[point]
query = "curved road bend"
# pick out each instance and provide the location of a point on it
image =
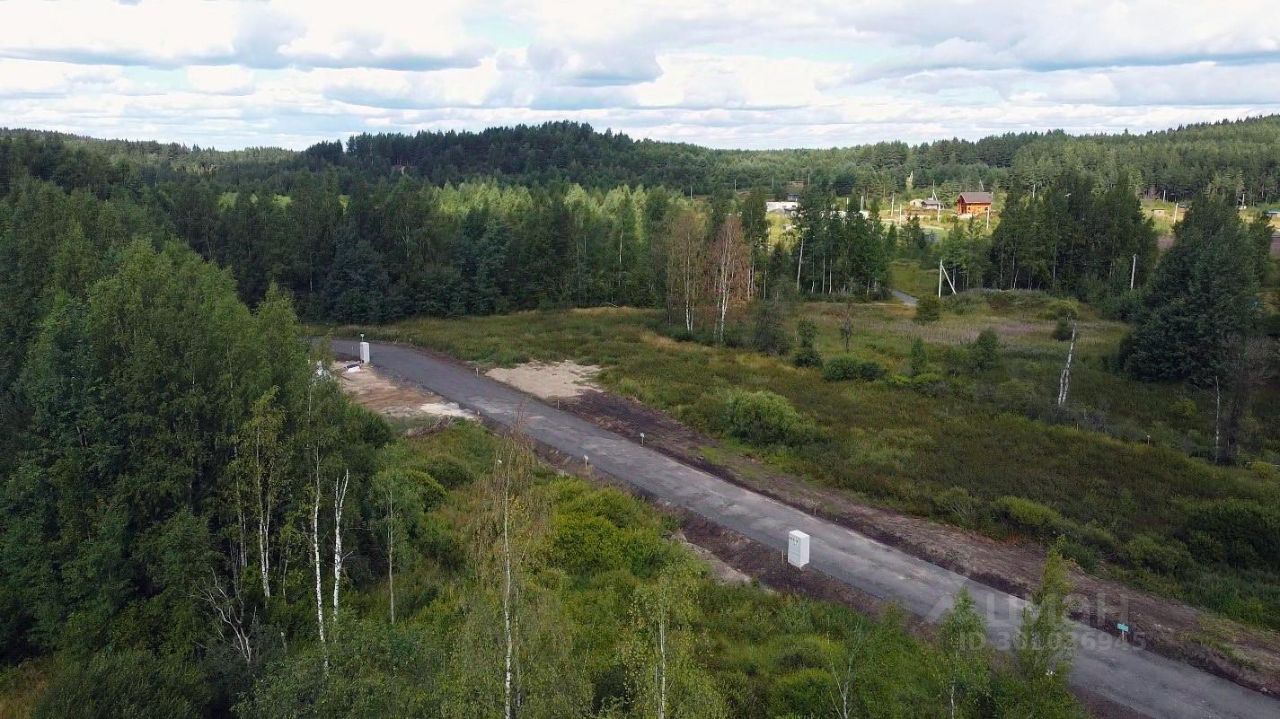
(904, 298)
(1141, 680)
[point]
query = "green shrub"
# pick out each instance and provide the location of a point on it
(931, 384)
(768, 330)
(1161, 554)
(449, 472)
(583, 544)
(957, 505)
(807, 357)
(1062, 331)
(1185, 408)
(847, 367)
(125, 684)
(1061, 310)
(800, 694)
(1245, 532)
(918, 361)
(984, 353)
(765, 418)
(1019, 396)
(415, 483)
(1030, 517)
(928, 309)
(807, 354)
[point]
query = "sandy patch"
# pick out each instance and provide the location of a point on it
(390, 399)
(559, 380)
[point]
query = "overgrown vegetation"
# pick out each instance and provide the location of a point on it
(1110, 467)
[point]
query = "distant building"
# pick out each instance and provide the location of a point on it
(782, 208)
(972, 203)
(931, 204)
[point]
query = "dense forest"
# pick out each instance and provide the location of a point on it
(197, 522)
(189, 501)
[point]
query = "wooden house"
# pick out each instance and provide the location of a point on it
(972, 203)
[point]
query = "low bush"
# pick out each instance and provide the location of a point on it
(768, 329)
(1162, 554)
(957, 505)
(807, 354)
(807, 357)
(449, 472)
(984, 353)
(133, 684)
(1062, 331)
(1242, 532)
(847, 367)
(1030, 517)
(928, 309)
(765, 418)
(1061, 310)
(930, 384)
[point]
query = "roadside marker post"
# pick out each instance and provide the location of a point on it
(364, 350)
(798, 548)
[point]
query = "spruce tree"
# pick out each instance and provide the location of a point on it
(1202, 300)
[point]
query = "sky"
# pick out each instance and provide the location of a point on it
(740, 74)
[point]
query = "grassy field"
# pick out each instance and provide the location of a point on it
(979, 450)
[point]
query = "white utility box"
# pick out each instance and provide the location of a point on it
(364, 352)
(798, 548)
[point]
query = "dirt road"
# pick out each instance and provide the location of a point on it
(1131, 677)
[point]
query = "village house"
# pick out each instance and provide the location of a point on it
(972, 203)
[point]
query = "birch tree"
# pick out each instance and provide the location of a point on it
(686, 253)
(730, 260)
(663, 675)
(1064, 381)
(964, 666)
(513, 654)
(260, 461)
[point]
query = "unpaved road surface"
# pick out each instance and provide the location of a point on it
(904, 298)
(1120, 672)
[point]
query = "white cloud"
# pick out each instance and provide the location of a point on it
(752, 73)
(220, 79)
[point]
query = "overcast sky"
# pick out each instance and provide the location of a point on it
(722, 73)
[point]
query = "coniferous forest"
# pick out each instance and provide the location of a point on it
(195, 522)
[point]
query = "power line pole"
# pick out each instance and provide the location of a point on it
(1133, 272)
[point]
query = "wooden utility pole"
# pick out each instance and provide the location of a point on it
(1133, 271)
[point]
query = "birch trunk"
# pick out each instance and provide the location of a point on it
(509, 712)
(339, 498)
(391, 553)
(1217, 420)
(1064, 381)
(315, 556)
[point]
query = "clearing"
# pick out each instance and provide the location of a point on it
(549, 380)
(396, 401)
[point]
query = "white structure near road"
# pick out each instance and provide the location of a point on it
(364, 352)
(798, 548)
